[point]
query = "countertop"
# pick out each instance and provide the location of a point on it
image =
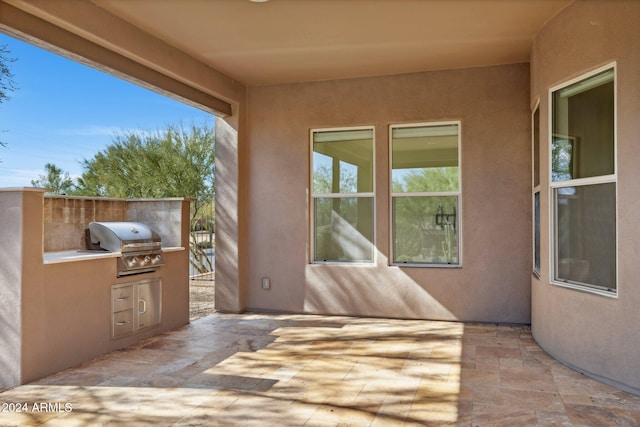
(84, 255)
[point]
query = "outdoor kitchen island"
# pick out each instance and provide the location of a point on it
(65, 303)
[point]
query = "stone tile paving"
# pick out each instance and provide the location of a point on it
(201, 296)
(297, 370)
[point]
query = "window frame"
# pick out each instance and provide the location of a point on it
(313, 196)
(535, 190)
(576, 182)
(457, 194)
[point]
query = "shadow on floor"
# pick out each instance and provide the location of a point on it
(294, 370)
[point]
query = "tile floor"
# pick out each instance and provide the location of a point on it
(294, 370)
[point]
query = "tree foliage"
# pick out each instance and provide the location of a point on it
(174, 162)
(56, 180)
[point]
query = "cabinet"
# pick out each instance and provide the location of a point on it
(135, 306)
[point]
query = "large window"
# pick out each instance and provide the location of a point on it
(583, 182)
(425, 190)
(535, 186)
(342, 166)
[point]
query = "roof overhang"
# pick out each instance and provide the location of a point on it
(217, 48)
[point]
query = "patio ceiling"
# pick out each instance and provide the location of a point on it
(285, 41)
(206, 53)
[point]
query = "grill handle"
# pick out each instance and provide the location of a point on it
(144, 245)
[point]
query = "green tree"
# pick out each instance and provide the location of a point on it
(174, 162)
(56, 180)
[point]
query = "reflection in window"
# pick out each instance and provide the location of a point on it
(424, 231)
(343, 229)
(342, 187)
(425, 184)
(563, 158)
(586, 230)
(535, 136)
(583, 129)
(583, 182)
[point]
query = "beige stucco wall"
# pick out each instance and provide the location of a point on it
(492, 104)
(593, 333)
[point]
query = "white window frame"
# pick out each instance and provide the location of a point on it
(535, 189)
(313, 197)
(457, 193)
(603, 179)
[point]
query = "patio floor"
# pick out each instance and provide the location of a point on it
(294, 370)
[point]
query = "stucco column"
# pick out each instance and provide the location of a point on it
(10, 287)
(230, 265)
(20, 266)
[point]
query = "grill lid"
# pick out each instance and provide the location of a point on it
(124, 236)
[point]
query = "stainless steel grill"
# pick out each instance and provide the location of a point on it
(138, 245)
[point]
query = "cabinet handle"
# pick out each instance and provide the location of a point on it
(144, 306)
(124, 322)
(122, 298)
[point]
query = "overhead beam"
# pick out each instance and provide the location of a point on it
(42, 32)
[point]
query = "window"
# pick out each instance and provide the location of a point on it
(425, 194)
(583, 183)
(342, 167)
(535, 185)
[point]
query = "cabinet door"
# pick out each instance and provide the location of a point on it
(149, 297)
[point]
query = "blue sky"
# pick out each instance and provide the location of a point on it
(62, 112)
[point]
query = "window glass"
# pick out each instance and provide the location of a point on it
(583, 183)
(342, 190)
(583, 129)
(536, 147)
(343, 229)
(585, 235)
(425, 159)
(425, 229)
(425, 185)
(536, 232)
(343, 161)
(535, 142)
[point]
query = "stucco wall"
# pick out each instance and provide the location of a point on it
(593, 333)
(493, 284)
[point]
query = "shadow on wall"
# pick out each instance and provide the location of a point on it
(370, 291)
(10, 288)
(227, 293)
(485, 290)
(9, 341)
(365, 289)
